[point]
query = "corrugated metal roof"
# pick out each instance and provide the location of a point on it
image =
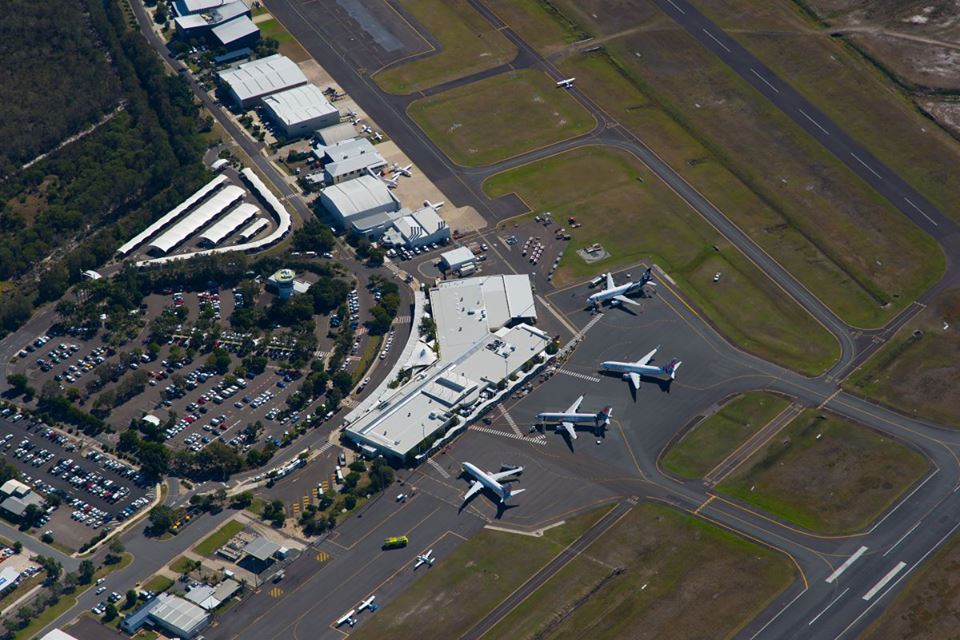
(263, 77)
(229, 223)
(357, 196)
(179, 614)
(299, 104)
(233, 30)
(255, 227)
(198, 219)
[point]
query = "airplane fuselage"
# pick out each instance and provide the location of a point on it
(631, 367)
(576, 418)
(607, 294)
(484, 478)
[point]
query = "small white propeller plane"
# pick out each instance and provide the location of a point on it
(426, 558)
(432, 205)
(569, 418)
(404, 171)
(347, 618)
(633, 370)
(566, 83)
(491, 481)
(367, 604)
(391, 182)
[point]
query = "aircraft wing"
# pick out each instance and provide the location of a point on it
(576, 405)
(645, 360)
(610, 284)
(570, 430)
(625, 299)
(504, 474)
(473, 490)
(634, 380)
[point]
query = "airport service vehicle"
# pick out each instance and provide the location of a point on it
(395, 542)
(633, 370)
(570, 418)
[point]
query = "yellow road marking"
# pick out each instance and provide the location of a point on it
(276, 592)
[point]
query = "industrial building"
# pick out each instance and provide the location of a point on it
(348, 159)
(229, 223)
(200, 23)
(336, 133)
(16, 498)
(170, 217)
(236, 34)
(211, 598)
(421, 227)
(248, 83)
(301, 111)
(171, 614)
(189, 7)
(483, 341)
(365, 205)
(196, 220)
(457, 259)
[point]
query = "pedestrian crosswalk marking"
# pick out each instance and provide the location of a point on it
(510, 421)
(324, 446)
(538, 439)
(580, 376)
(436, 465)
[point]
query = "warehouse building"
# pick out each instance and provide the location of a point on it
(239, 33)
(228, 224)
(248, 83)
(301, 111)
(200, 24)
(336, 133)
(482, 344)
(199, 218)
(348, 159)
(422, 227)
(170, 217)
(16, 498)
(171, 614)
(211, 598)
(457, 259)
(190, 7)
(350, 203)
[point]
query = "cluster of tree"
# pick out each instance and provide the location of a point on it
(210, 502)
(374, 255)
(162, 518)
(314, 236)
(19, 386)
(219, 360)
(275, 512)
(97, 192)
(386, 309)
(59, 409)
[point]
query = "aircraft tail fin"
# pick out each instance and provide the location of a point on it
(604, 415)
(671, 369)
(509, 492)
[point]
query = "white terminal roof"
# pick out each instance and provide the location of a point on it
(264, 76)
(254, 228)
(468, 309)
(192, 21)
(202, 5)
(358, 196)
(57, 634)
(423, 222)
(200, 217)
(345, 149)
(299, 104)
(229, 223)
(179, 613)
(169, 217)
(231, 30)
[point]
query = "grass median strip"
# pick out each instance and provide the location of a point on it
(827, 474)
(218, 538)
(468, 44)
(716, 437)
(465, 586)
(643, 578)
(918, 370)
(496, 118)
(635, 216)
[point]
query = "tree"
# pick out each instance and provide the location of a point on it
(255, 364)
(351, 480)
(161, 520)
(219, 360)
(110, 613)
(343, 382)
(86, 571)
(350, 502)
(131, 598)
(51, 566)
(242, 501)
(30, 517)
(314, 236)
(328, 294)
(358, 466)
(18, 547)
(381, 475)
(154, 458)
(18, 383)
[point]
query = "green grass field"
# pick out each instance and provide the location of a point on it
(468, 44)
(918, 374)
(645, 220)
(717, 436)
(540, 27)
(673, 563)
(181, 564)
(495, 118)
(157, 584)
(817, 218)
(218, 538)
(852, 92)
(463, 587)
(288, 46)
(926, 607)
(836, 483)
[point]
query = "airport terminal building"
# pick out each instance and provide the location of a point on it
(486, 348)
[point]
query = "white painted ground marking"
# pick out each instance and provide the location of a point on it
(324, 447)
(673, 4)
(833, 602)
(846, 565)
(581, 376)
(538, 439)
(869, 168)
(899, 504)
(817, 124)
(884, 580)
(436, 465)
(910, 202)
(779, 613)
(714, 38)
(510, 421)
(764, 80)
(902, 538)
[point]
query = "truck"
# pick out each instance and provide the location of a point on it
(395, 542)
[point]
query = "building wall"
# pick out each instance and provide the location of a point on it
(307, 127)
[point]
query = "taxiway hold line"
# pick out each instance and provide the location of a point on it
(884, 580)
(846, 565)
